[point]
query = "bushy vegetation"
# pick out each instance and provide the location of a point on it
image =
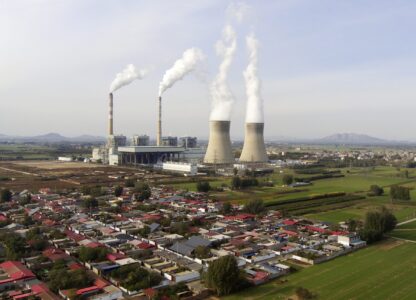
(203, 186)
(118, 191)
(238, 183)
(376, 224)
(142, 190)
(399, 192)
(255, 206)
(287, 179)
(6, 195)
(134, 278)
(129, 182)
(226, 208)
(90, 203)
(15, 245)
(60, 278)
(376, 190)
(87, 254)
(223, 276)
(202, 252)
(95, 191)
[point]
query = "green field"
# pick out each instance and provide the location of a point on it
(382, 271)
(356, 181)
(406, 231)
(37, 152)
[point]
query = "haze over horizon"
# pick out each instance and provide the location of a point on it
(325, 67)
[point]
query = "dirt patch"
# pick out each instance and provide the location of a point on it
(390, 244)
(52, 165)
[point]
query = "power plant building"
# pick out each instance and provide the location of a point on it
(144, 155)
(188, 142)
(170, 141)
(141, 140)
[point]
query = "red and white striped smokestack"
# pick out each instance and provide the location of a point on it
(110, 115)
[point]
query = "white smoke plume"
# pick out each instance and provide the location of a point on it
(238, 11)
(254, 113)
(222, 98)
(183, 66)
(127, 76)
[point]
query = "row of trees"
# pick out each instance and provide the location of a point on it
(238, 183)
(399, 192)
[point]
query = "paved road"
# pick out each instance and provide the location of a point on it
(17, 171)
(405, 222)
(400, 239)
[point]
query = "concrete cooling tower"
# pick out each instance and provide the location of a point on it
(219, 149)
(254, 149)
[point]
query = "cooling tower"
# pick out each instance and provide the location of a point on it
(254, 149)
(219, 149)
(110, 115)
(159, 124)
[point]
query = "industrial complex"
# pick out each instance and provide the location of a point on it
(182, 154)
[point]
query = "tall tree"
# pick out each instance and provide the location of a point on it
(287, 179)
(118, 191)
(255, 206)
(223, 275)
(6, 195)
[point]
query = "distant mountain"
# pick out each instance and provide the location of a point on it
(88, 138)
(353, 139)
(49, 137)
(53, 138)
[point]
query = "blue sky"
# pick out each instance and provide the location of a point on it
(325, 66)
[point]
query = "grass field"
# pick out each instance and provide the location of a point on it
(356, 181)
(406, 231)
(382, 271)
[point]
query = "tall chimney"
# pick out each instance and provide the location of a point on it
(110, 115)
(254, 149)
(219, 149)
(159, 124)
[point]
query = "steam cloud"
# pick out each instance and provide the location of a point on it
(238, 11)
(222, 98)
(127, 76)
(183, 66)
(254, 113)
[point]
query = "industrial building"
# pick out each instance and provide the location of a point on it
(171, 141)
(188, 142)
(144, 155)
(140, 140)
(181, 168)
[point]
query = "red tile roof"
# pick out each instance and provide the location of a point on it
(16, 271)
(115, 256)
(241, 217)
(101, 283)
(87, 289)
(289, 222)
(145, 245)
